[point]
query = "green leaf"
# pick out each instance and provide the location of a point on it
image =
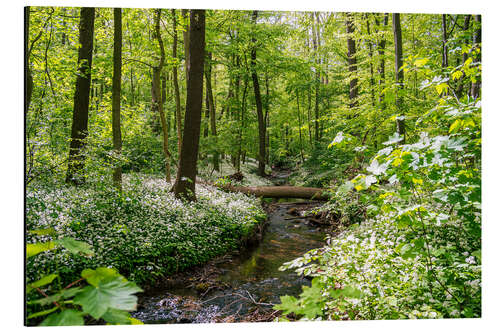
(42, 282)
(288, 305)
(42, 313)
(93, 277)
(34, 249)
(114, 292)
(117, 317)
(421, 62)
(74, 246)
(68, 317)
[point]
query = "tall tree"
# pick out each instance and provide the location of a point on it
(444, 53)
(460, 86)
(28, 85)
(351, 59)
(211, 109)
(381, 53)
(176, 83)
(116, 94)
(185, 183)
(156, 95)
(316, 80)
(398, 63)
(477, 41)
(79, 128)
(258, 100)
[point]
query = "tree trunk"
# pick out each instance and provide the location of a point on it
(175, 79)
(398, 49)
(370, 54)
(460, 86)
(258, 102)
(351, 59)
(186, 174)
(300, 128)
(211, 109)
(79, 127)
(477, 40)
(316, 83)
(156, 95)
(444, 55)
(381, 67)
(117, 86)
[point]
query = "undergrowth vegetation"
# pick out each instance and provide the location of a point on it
(144, 232)
(418, 252)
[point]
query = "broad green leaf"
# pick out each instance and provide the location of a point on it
(114, 292)
(74, 246)
(117, 317)
(68, 317)
(42, 313)
(42, 282)
(34, 249)
(288, 305)
(93, 277)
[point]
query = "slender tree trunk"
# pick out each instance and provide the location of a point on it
(242, 125)
(476, 86)
(398, 49)
(258, 103)
(300, 128)
(211, 108)
(316, 83)
(266, 117)
(460, 86)
(351, 59)
(309, 115)
(79, 127)
(381, 66)
(444, 55)
(116, 93)
(175, 79)
(370, 54)
(186, 174)
(156, 95)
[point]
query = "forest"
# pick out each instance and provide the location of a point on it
(192, 166)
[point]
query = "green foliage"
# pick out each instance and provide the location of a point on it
(144, 233)
(419, 256)
(109, 295)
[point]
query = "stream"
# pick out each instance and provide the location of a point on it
(241, 287)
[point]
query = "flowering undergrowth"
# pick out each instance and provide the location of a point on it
(418, 253)
(144, 233)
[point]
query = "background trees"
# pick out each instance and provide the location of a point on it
(315, 78)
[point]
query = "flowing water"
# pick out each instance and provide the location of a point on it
(247, 285)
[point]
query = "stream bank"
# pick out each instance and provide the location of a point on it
(242, 286)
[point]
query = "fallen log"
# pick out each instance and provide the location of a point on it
(280, 191)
